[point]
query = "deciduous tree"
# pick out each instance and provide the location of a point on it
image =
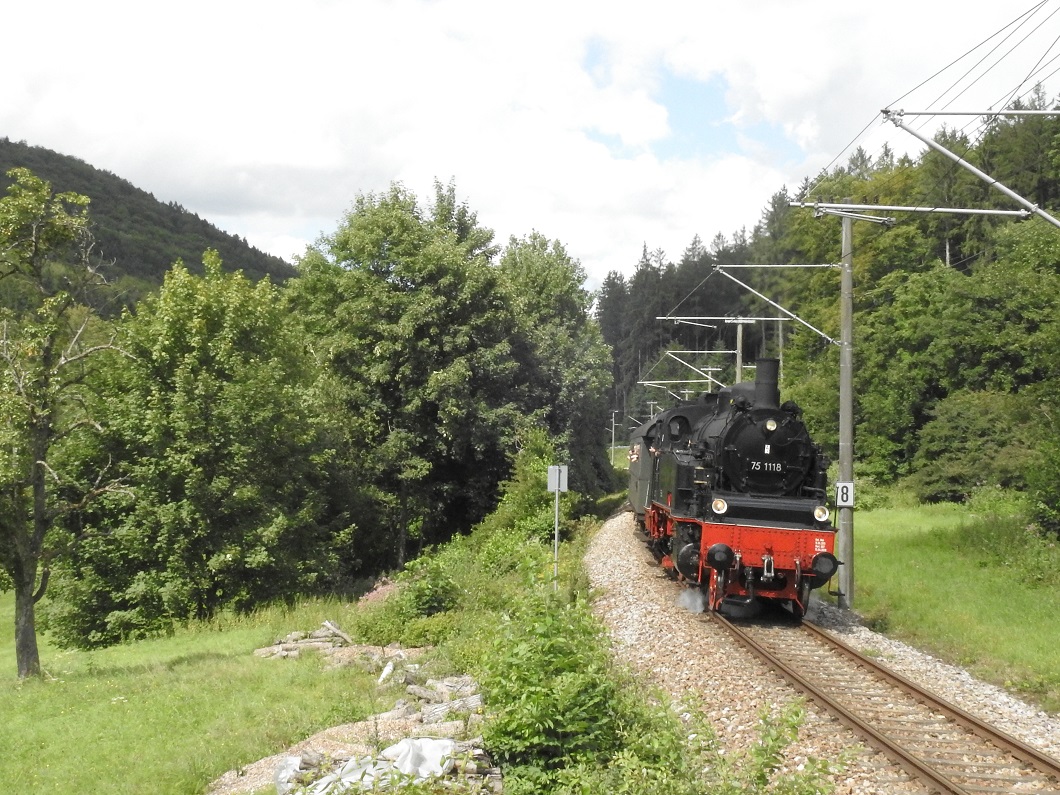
(217, 425)
(410, 318)
(48, 334)
(568, 366)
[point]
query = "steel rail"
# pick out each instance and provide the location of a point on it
(1041, 762)
(903, 758)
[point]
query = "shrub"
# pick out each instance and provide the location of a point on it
(975, 439)
(549, 688)
(426, 587)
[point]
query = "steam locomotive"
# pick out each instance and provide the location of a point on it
(731, 492)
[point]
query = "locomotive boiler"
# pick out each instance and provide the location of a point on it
(731, 492)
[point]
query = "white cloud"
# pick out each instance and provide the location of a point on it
(268, 118)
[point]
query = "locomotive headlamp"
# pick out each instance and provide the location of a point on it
(719, 506)
(820, 513)
(771, 425)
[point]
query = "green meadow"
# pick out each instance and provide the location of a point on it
(167, 715)
(967, 583)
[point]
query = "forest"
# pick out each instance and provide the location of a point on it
(226, 441)
(956, 315)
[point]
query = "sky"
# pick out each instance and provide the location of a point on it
(608, 126)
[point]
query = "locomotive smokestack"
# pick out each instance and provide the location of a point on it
(767, 388)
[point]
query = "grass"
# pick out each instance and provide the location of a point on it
(168, 715)
(970, 586)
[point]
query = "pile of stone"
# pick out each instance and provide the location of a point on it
(433, 731)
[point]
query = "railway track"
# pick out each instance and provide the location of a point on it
(945, 748)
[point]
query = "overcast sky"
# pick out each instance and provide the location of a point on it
(606, 125)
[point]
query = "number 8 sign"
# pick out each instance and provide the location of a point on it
(844, 494)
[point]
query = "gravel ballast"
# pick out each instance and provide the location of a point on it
(697, 664)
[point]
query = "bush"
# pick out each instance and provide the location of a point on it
(426, 587)
(975, 439)
(549, 687)
(1045, 484)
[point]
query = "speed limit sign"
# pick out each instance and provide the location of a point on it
(844, 494)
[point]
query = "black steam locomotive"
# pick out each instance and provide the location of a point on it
(731, 492)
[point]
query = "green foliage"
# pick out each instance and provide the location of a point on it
(49, 341)
(567, 369)
(976, 439)
(409, 317)
(548, 683)
(985, 335)
(525, 494)
(217, 428)
(1044, 482)
(427, 587)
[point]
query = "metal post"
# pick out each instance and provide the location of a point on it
(555, 549)
(613, 423)
(845, 538)
(557, 482)
(739, 353)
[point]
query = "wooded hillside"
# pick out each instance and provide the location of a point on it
(138, 237)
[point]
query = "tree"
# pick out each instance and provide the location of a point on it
(569, 365)
(414, 325)
(976, 440)
(946, 184)
(49, 334)
(612, 315)
(217, 426)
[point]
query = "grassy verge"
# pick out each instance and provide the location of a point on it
(170, 715)
(969, 584)
(167, 715)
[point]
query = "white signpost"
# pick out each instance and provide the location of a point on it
(557, 482)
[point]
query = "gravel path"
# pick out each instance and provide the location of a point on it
(696, 663)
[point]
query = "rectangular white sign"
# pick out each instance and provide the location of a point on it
(557, 478)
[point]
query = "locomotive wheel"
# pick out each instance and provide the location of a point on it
(799, 610)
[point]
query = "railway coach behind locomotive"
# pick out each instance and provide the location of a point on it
(731, 490)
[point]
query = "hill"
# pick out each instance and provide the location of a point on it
(138, 236)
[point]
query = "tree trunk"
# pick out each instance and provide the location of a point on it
(16, 542)
(26, 654)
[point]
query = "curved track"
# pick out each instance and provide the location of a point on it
(945, 748)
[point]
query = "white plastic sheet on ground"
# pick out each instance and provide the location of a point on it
(415, 759)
